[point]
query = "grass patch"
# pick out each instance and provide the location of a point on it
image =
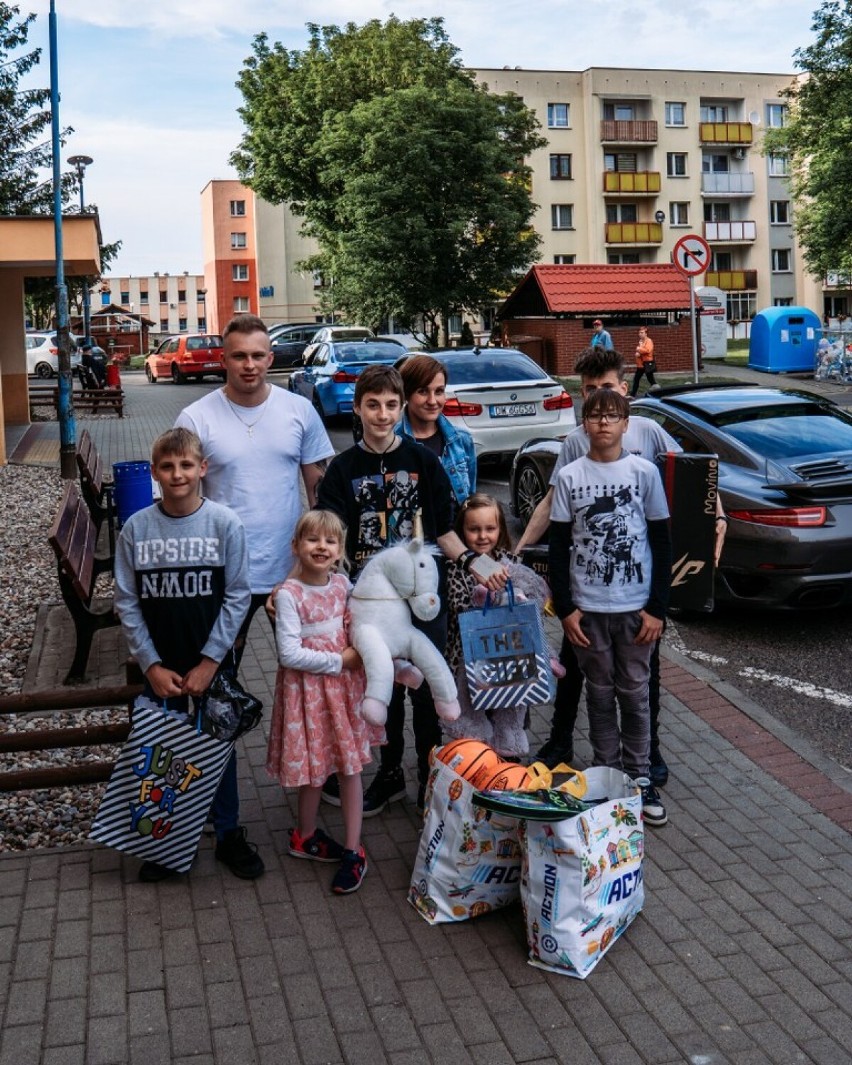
(137, 362)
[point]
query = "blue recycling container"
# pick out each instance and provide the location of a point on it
(133, 489)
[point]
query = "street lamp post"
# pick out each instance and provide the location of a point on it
(81, 162)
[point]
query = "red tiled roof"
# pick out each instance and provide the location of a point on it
(598, 289)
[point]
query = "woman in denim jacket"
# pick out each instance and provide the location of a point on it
(425, 382)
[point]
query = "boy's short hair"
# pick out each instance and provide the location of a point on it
(606, 401)
(176, 442)
(418, 371)
(245, 323)
(379, 379)
(595, 362)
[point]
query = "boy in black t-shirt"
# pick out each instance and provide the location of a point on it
(404, 480)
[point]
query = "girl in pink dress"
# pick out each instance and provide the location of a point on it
(316, 729)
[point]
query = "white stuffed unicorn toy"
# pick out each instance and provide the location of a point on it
(397, 582)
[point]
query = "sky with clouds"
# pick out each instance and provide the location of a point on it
(150, 87)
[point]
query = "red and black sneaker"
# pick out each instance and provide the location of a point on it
(351, 873)
(318, 848)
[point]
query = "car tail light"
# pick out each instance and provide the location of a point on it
(787, 517)
(561, 402)
(453, 408)
(344, 378)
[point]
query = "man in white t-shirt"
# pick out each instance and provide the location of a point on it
(258, 440)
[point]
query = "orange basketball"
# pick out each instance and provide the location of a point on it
(468, 757)
(508, 776)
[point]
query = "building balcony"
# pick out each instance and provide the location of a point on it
(633, 233)
(632, 183)
(727, 184)
(628, 132)
(730, 232)
(731, 280)
(725, 132)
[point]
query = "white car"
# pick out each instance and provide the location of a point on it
(503, 398)
(43, 354)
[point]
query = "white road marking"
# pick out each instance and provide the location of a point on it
(800, 687)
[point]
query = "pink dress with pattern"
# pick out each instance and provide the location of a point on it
(316, 729)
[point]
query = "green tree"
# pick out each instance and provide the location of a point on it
(816, 138)
(410, 176)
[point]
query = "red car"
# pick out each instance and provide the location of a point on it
(185, 356)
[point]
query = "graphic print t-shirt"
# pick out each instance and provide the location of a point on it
(610, 504)
(378, 497)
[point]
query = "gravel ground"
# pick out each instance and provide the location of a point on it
(57, 816)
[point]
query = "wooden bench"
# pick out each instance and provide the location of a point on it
(97, 490)
(89, 399)
(73, 537)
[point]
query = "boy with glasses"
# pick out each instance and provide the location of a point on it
(610, 570)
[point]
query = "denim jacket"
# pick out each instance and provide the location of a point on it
(458, 456)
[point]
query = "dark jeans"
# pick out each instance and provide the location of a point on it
(637, 378)
(570, 687)
(427, 727)
(258, 599)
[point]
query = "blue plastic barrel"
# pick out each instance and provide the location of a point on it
(133, 489)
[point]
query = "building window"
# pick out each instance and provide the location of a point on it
(319, 280)
(714, 164)
(182, 324)
(675, 113)
(622, 212)
(676, 164)
(164, 325)
(562, 216)
(741, 306)
(782, 301)
(776, 115)
(560, 167)
(125, 296)
(143, 296)
(164, 296)
(564, 260)
(777, 164)
(620, 162)
(623, 258)
(238, 240)
(202, 325)
(717, 212)
(238, 208)
(618, 112)
(181, 295)
(779, 212)
(241, 303)
(714, 113)
(679, 214)
(558, 116)
(781, 261)
(239, 272)
(721, 261)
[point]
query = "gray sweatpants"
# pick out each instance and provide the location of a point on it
(617, 672)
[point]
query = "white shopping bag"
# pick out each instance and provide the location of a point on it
(469, 860)
(581, 878)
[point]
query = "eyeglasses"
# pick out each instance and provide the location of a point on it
(603, 419)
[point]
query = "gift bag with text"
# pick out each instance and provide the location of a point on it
(581, 878)
(161, 789)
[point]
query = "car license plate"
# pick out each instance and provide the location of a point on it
(512, 410)
(211, 365)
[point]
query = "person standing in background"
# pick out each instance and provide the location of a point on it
(600, 337)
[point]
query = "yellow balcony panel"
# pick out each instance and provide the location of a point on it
(634, 183)
(633, 233)
(629, 132)
(731, 280)
(725, 132)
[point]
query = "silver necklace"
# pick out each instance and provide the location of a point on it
(249, 426)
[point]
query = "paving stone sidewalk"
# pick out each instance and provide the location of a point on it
(742, 954)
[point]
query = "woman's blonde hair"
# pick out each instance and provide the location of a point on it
(481, 501)
(327, 523)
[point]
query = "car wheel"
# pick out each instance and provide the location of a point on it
(43, 369)
(529, 492)
(177, 376)
(149, 373)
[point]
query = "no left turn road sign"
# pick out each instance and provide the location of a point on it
(692, 255)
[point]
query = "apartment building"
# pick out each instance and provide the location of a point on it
(634, 160)
(174, 303)
(229, 238)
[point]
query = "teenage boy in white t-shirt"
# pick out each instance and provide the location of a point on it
(610, 570)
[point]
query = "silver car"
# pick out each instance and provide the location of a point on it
(43, 354)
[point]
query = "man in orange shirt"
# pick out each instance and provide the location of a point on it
(644, 361)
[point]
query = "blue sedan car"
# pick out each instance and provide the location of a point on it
(328, 377)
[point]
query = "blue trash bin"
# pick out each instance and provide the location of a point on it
(133, 489)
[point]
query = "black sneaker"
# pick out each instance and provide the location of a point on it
(653, 811)
(559, 748)
(350, 875)
(239, 855)
(331, 791)
(153, 873)
(659, 771)
(386, 787)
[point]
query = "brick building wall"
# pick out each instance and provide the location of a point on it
(556, 343)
